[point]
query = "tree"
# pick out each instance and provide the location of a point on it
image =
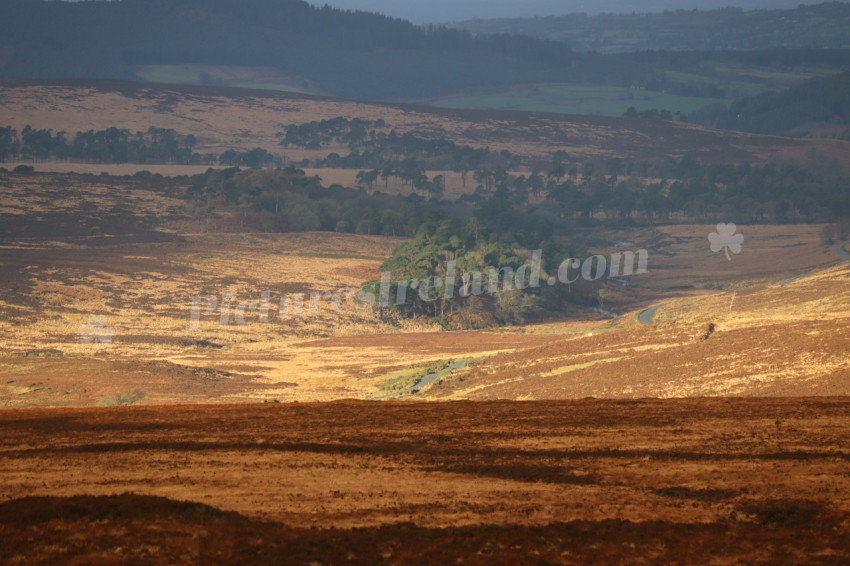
(438, 185)
(8, 142)
(368, 178)
(557, 168)
(535, 184)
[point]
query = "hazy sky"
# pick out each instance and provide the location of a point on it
(437, 11)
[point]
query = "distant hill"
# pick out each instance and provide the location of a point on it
(821, 101)
(825, 25)
(242, 119)
(293, 46)
(436, 11)
(350, 54)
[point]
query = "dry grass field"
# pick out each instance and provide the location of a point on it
(101, 275)
(689, 481)
(711, 430)
(224, 118)
(774, 342)
(771, 321)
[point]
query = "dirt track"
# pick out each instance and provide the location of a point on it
(761, 479)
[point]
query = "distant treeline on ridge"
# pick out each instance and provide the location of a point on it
(114, 145)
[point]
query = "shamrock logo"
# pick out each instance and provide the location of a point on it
(726, 239)
(95, 331)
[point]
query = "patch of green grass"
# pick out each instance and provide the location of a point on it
(48, 353)
(123, 399)
(574, 99)
(402, 381)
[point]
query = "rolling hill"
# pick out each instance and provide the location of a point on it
(101, 276)
(821, 25)
(224, 118)
(231, 318)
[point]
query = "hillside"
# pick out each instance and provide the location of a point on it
(103, 276)
(822, 25)
(578, 482)
(247, 318)
(139, 256)
(223, 118)
(772, 341)
(292, 46)
(816, 106)
(286, 44)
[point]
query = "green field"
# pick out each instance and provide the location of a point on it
(573, 99)
(739, 81)
(223, 75)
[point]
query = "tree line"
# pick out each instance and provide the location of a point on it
(114, 145)
(822, 25)
(821, 100)
(288, 200)
(496, 227)
(330, 49)
(488, 231)
(582, 188)
(393, 156)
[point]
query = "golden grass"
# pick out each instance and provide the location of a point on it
(251, 120)
(568, 369)
(145, 290)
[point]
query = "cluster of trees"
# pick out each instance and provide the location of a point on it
(498, 228)
(615, 188)
(779, 191)
(315, 134)
(405, 157)
(111, 145)
(373, 146)
(392, 149)
(483, 268)
(480, 245)
(653, 114)
(8, 142)
(257, 157)
(488, 231)
(114, 145)
(287, 200)
(498, 225)
(819, 100)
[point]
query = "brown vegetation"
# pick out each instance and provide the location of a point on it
(224, 118)
(582, 482)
